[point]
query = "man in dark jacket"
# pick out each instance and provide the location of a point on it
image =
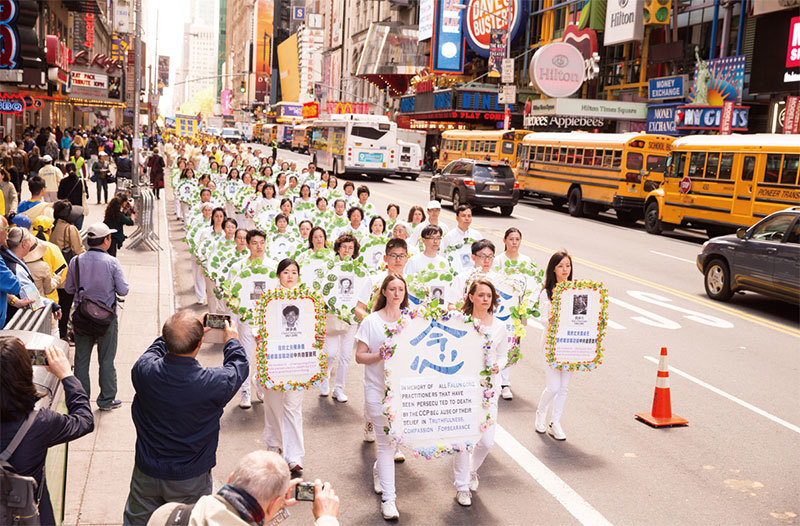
(176, 411)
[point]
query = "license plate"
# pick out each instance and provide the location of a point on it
(632, 189)
(494, 187)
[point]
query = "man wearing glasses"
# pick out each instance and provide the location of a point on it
(483, 258)
(431, 240)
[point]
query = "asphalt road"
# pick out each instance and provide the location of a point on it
(735, 378)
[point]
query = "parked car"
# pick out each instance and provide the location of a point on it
(477, 183)
(764, 258)
(232, 134)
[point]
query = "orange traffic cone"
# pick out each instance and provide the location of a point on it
(662, 415)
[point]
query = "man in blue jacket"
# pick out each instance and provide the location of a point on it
(176, 411)
(9, 284)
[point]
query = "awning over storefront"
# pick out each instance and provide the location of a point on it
(392, 56)
(82, 6)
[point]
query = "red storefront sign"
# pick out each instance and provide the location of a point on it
(793, 49)
(726, 119)
(310, 110)
(791, 115)
(98, 60)
(57, 59)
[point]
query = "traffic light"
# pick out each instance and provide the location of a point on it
(242, 87)
(657, 11)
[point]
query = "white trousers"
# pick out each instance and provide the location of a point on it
(386, 448)
(341, 346)
(505, 375)
(199, 282)
(555, 392)
(283, 423)
(177, 204)
(465, 463)
(213, 303)
(248, 341)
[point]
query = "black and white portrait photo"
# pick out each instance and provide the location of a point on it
(259, 288)
(580, 304)
(437, 293)
(289, 321)
(345, 286)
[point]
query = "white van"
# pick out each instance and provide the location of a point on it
(410, 164)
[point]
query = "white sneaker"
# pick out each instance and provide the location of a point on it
(506, 393)
(369, 432)
(245, 402)
(399, 456)
(376, 479)
(464, 498)
(389, 510)
(473, 481)
(556, 432)
(541, 422)
(339, 396)
(324, 387)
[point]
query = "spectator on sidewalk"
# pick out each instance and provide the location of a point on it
(100, 173)
(176, 411)
(10, 196)
(124, 166)
(65, 235)
(35, 161)
(101, 280)
(18, 396)
(52, 176)
(9, 284)
(51, 148)
(257, 490)
(156, 165)
(73, 189)
(116, 219)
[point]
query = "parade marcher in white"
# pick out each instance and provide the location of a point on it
(197, 272)
(391, 298)
(559, 269)
(434, 210)
(463, 232)
(480, 303)
(512, 240)
(213, 236)
(482, 259)
(431, 237)
(283, 411)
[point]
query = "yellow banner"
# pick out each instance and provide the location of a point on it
(288, 64)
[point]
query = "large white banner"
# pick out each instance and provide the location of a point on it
(426, 8)
(624, 21)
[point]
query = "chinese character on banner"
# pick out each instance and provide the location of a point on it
(437, 335)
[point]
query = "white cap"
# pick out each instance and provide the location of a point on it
(103, 153)
(46, 158)
(99, 230)
(434, 204)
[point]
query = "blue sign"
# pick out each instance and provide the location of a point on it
(291, 110)
(661, 118)
(407, 104)
(442, 101)
(448, 45)
(481, 101)
(364, 157)
(667, 87)
(690, 117)
(298, 13)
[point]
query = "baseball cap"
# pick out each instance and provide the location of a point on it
(102, 153)
(46, 158)
(434, 204)
(22, 220)
(42, 221)
(99, 230)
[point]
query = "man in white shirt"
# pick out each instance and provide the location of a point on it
(434, 209)
(482, 259)
(431, 240)
(460, 234)
(52, 175)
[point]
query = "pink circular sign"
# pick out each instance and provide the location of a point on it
(557, 69)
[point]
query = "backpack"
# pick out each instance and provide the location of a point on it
(17, 502)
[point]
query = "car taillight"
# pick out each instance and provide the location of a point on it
(516, 185)
(469, 182)
(420, 164)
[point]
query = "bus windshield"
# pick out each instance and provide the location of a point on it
(657, 163)
(367, 132)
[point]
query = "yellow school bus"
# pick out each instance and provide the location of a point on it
(487, 145)
(592, 172)
(722, 182)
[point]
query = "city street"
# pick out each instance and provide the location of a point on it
(734, 378)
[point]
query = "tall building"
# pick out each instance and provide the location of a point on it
(238, 49)
(309, 52)
(200, 61)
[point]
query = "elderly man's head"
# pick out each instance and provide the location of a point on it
(183, 333)
(265, 476)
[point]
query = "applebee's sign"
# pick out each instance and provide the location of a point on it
(557, 69)
(484, 15)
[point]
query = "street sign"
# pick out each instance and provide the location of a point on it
(507, 95)
(507, 74)
(298, 13)
(726, 119)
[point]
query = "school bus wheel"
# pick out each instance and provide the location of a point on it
(651, 221)
(575, 202)
(717, 280)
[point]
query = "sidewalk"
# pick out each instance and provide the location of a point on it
(100, 464)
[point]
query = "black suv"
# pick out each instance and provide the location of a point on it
(477, 183)
(764, 258)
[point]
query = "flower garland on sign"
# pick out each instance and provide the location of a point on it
(232, 287)
(262, 337)
(387, 350)
(602, 322)
(419, 283)
(325, 282)
(525, 309)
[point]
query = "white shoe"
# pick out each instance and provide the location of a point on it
(464, 498)
(339, 396)
(376, 479)
(473, 481)
(389, 510)
(324, 387)
(369, 432)
(506, 393)
(245, 402)
(541, 422)
(260, 395)
(556, 432)
(399, 456)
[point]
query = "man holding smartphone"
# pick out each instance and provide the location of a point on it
(176, 410)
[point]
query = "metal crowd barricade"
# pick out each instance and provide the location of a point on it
(145, 210)
(34, 329)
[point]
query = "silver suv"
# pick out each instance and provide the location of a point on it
(477, 183)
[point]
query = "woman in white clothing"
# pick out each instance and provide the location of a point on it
(512, 240)
(283, 411)
(480, 303)
(212, 237)
(559, 269)
(390, 300)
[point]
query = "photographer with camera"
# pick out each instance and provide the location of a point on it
(176, 411)
(258, 492)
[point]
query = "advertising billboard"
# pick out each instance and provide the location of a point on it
(289, 72)
(624, 21)
(447, 51)
(426, 8)
(481, 17)
(263, 38)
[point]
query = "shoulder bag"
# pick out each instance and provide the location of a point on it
(91, 317)
(19, 495)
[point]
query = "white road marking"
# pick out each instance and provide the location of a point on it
(730, 397)
(673, 257)
(614, 325)
(647, 317)
(552, 483)
(661, 301)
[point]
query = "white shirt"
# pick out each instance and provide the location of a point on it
(500, 261)
(420, 262)
(373, 333)
(498, 353)
(368, 286)
(456, 236)
(416, 235)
